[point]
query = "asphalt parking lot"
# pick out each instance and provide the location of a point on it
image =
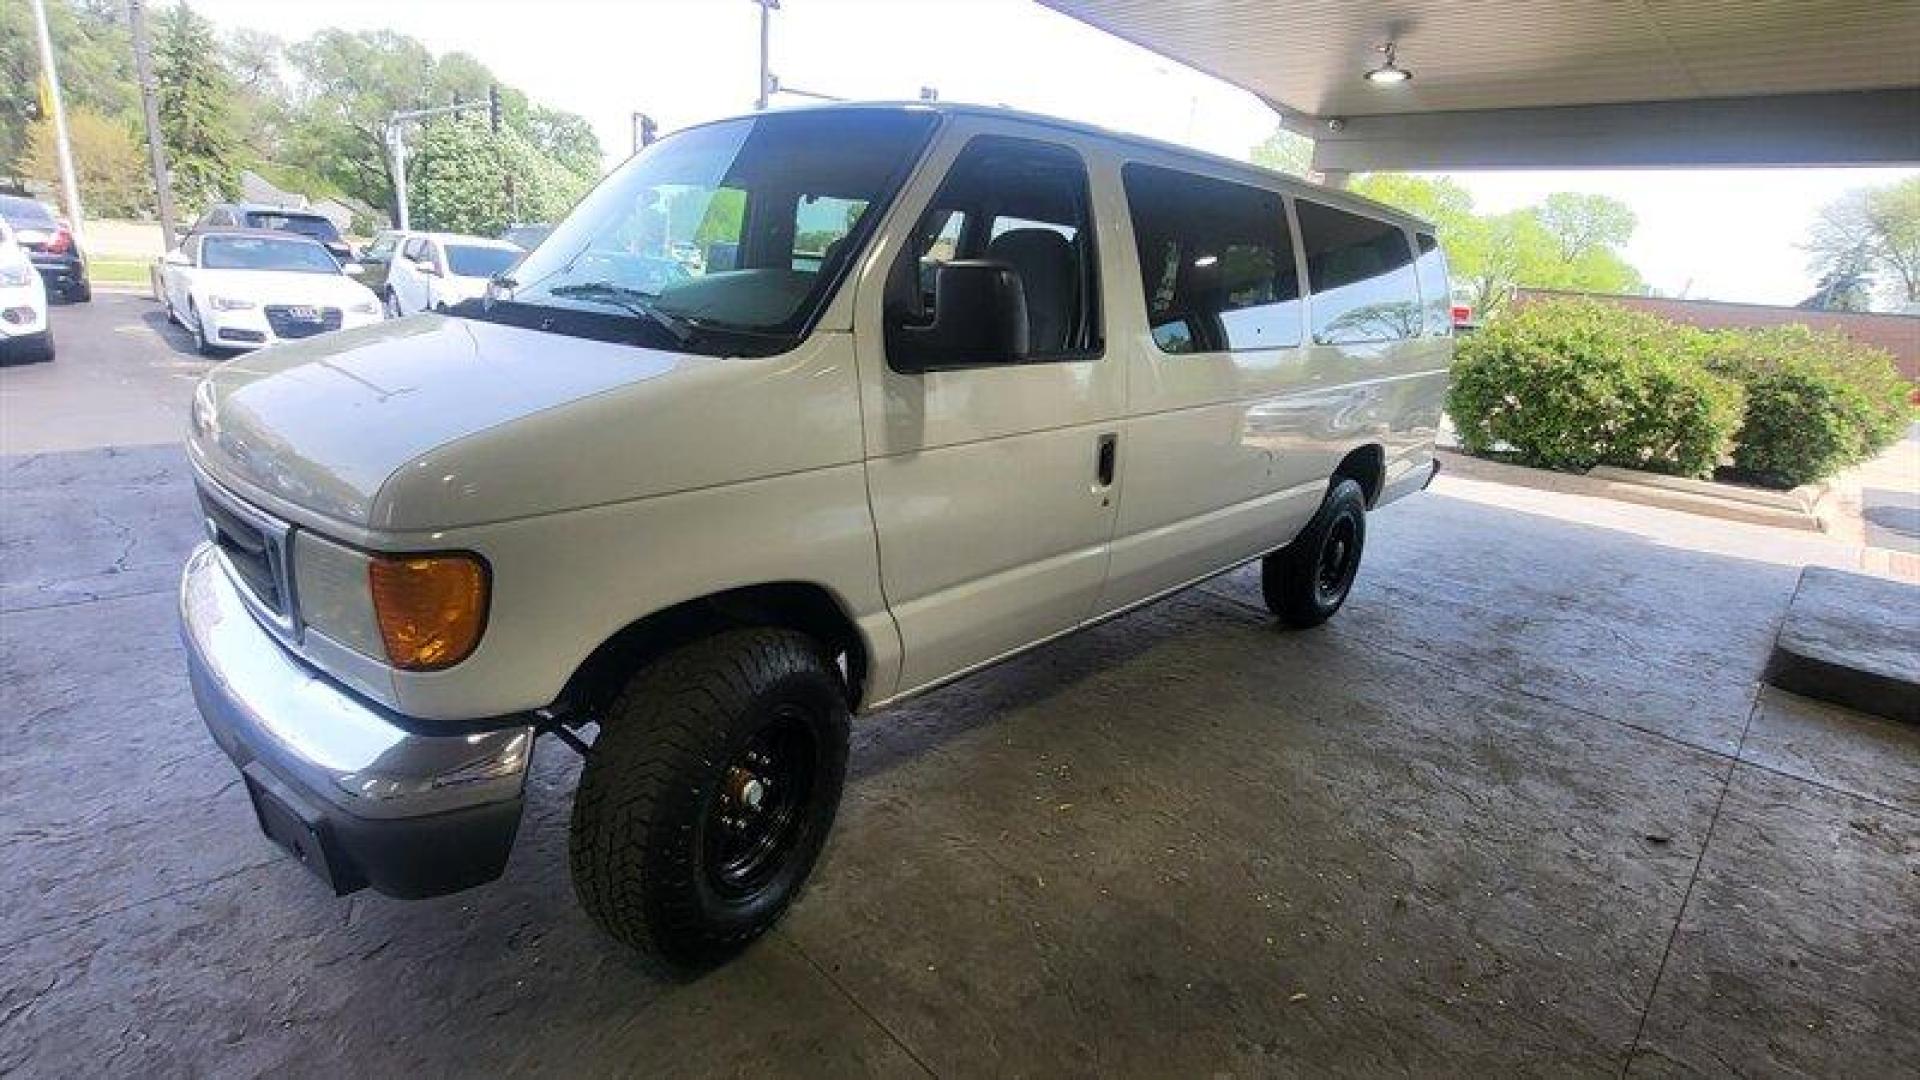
(1523, 808)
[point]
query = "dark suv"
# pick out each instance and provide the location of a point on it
(277, 219)
(50, 244)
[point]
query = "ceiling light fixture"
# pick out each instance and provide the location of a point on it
(1389, 73)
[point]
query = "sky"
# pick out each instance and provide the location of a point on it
(1718, 234)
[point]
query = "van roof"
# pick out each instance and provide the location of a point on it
(1217, 162)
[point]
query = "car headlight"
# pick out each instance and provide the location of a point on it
(365, 307)
(15, 276)
(330, 582)
(228, 303)
(416, 612)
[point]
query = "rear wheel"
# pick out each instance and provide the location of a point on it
(1305, 582)
(709, 794)
(81, 293)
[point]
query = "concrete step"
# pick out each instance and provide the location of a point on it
(1852, 640)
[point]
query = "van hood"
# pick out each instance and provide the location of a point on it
(324, 423)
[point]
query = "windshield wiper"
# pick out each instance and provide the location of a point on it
(630, 300)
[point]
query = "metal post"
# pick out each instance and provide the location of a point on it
(396, 144)
(63, 150)
(156, 147)
(767, 8)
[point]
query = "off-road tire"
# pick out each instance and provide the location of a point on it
(1300, 586)
(639, 845)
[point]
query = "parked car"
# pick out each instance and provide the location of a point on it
(245, 288)
(438, 270)
(713, 520)
(24, 333)
(277, 219)
(376, 260)
(525, 237)
(49, 243)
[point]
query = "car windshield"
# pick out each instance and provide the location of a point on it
(468, 260)
(724, 239)
(25, 213)
(265, 253)
(305, 224)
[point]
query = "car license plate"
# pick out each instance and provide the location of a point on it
(303, 313)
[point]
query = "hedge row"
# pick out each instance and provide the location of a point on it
(1570, 384)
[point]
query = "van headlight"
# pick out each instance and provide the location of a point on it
(228, 303)
(365, 307)
(13, 277)
(416, 612)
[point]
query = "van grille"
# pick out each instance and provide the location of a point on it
(254, 554)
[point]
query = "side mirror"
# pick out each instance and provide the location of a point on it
(426, 267)
(979, 319)
(176, 257)
(352, 268)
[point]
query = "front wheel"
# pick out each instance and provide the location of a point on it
(1305, 582)
(201, 341)
(709, 794)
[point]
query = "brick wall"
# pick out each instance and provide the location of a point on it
(1897, 334)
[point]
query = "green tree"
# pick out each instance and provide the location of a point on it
(1284, 151)
(110, 164)
(460, 173)
(1570, 241)
(1875, 229)
(1581, 223)
(196, 109)
(95, 50)
(351, 83)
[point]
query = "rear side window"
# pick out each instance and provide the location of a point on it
(1436, 293)
(1216, 262)
(1361, 273)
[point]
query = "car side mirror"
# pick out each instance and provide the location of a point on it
(979, 319)
(176, 257)
(426, 267)
(352, 268)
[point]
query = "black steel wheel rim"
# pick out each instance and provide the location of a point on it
(758, 817)
(1338, 556)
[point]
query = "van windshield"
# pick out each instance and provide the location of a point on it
(725, 239)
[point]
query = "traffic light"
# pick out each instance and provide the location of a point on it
(493, 107)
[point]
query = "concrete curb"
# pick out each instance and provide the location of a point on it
(1851, 640)
(1799, 509)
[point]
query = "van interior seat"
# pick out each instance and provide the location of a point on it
(1049, 274)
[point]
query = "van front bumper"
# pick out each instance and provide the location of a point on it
(361, 795)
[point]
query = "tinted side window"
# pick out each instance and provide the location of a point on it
(1436, 293)
(1216, 262)
(1361, 273)
(1023, 203)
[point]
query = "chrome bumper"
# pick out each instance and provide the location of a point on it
(362, 795)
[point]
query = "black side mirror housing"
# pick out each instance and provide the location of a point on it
(979, 320)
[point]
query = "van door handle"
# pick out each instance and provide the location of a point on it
(1109, 444)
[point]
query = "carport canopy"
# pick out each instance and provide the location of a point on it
(1559, 83)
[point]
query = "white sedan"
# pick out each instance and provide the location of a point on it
(23, 304)
(438, 270)
(243, 289)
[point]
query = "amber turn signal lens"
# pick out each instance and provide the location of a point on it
(430, 608)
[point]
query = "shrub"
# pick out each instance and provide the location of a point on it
(1817, 402)
(1570, 384)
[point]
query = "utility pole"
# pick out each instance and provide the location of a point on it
(156, 149)
(767, 80)
(63, 150)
